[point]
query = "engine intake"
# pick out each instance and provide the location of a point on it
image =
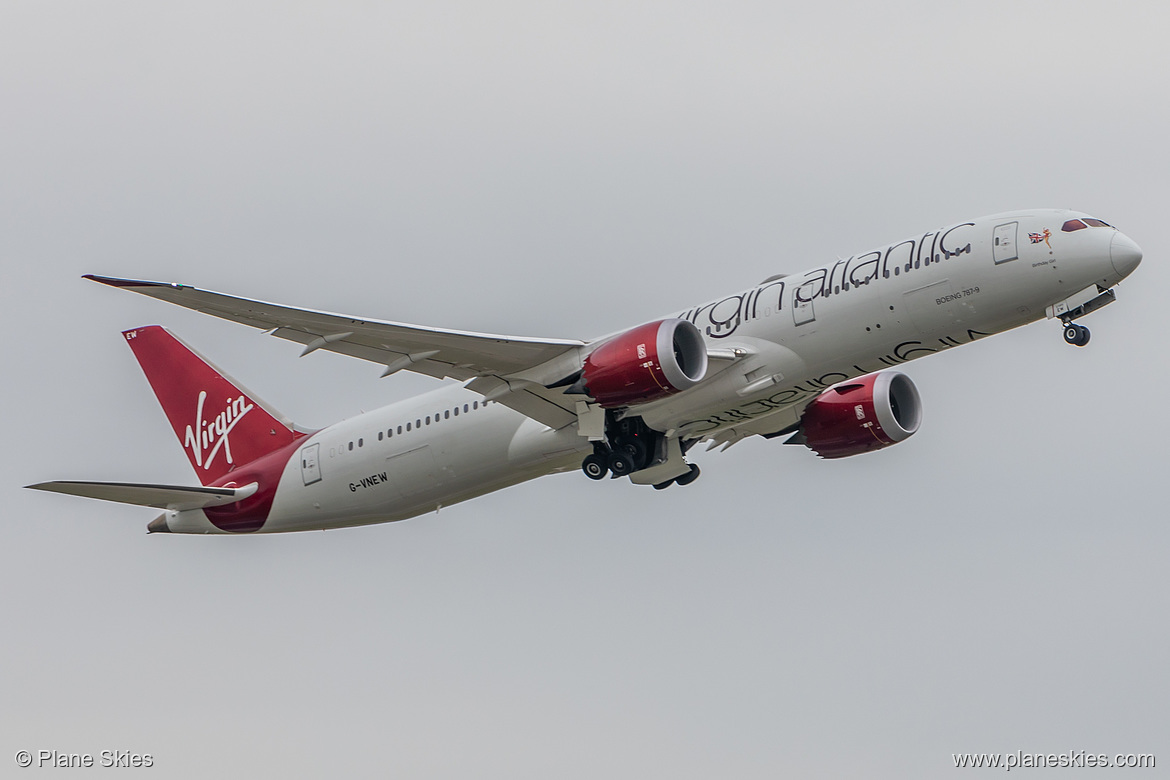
(863, 414)
(648, 362)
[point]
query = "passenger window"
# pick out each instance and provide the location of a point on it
(400, 428)
(408, 426)
(475, 405)
(359, 442)
(447, 415)
(351, 446)
(1073, 224)
(418, 423)
(456, 411)
(465, 407)
(428, 419)
(379, 436)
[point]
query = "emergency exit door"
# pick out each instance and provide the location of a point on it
(802, 303)
(1004, 242)
(310, 468)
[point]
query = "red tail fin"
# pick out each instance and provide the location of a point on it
(220, 425)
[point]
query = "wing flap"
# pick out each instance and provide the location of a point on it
(550, 407)
(177, 497)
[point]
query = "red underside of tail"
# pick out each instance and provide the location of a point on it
(250, 514)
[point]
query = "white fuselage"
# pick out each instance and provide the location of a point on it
(795, 336)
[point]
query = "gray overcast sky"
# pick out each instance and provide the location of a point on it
(997, 583)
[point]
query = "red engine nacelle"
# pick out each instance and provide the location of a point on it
(651, 361)
(867, 413)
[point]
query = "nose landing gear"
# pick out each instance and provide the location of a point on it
(1077, 335)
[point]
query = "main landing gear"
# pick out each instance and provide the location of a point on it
(685, 479)
(626, 459)
(632, 446)
(1077, 335)
(595, 466)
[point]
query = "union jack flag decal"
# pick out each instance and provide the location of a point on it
(1038, 237)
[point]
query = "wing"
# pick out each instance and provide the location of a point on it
(510, 369)
(158, 496)
(782, 422)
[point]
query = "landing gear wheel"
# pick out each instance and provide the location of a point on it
(1077, 335)
(620, 464)
(595, 466)
(689, 477)
(636, 450)
(664, 485)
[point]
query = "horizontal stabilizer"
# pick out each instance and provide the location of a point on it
(175, 497)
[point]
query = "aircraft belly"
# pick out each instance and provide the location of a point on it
(452, 464)
(536, 449)
(191, 521)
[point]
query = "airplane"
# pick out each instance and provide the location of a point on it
(810, 358)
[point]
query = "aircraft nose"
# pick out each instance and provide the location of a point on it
(1124, 253)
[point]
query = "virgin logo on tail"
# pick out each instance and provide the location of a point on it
(208, 436)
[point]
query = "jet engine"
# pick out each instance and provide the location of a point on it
(648, 362)
(863, 414)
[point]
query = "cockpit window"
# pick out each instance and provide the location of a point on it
(1081, 224)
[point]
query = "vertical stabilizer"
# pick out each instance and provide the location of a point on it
(220, 425)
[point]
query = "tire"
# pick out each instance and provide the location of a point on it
(620, 464)
(664, 485)
(1072, 334)
(1084, 339)
(690, 476)
(636, 449)
(595, 466)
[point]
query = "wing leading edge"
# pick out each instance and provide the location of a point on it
(513, 370)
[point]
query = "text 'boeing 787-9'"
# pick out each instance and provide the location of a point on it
(807, 356)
